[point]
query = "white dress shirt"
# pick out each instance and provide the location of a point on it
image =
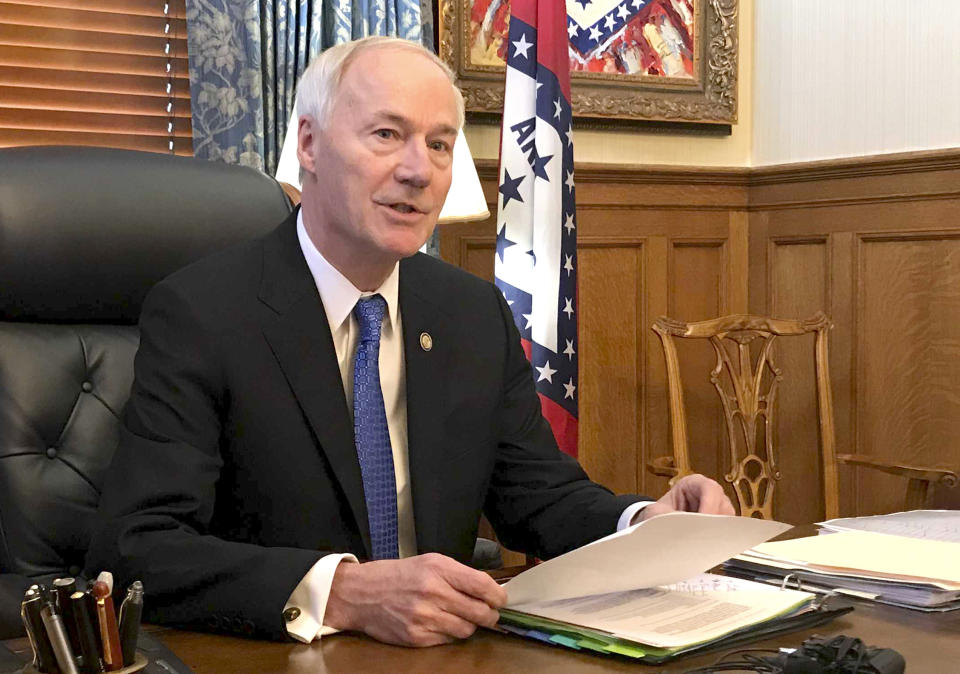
(339, 296)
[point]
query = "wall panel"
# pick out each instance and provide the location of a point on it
(611, 310)
(909, 346)
(799, 287)
(885, 230)
(695, 293)
(874, 242)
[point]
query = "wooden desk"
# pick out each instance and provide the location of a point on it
(929, 642)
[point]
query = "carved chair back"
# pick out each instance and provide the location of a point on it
(746, 378)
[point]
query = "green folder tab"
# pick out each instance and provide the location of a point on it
(622, 648)
(565, 641)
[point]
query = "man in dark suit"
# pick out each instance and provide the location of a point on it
(326, 394)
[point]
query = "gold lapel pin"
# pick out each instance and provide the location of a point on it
(426, 341)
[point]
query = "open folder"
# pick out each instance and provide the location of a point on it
(643, 593)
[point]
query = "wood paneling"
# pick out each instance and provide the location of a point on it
(909, 310)
(798, 288)
(611, 309)
(695, 293)
(873, 242)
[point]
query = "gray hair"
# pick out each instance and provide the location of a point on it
(320, 82)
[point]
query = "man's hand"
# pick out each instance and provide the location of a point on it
(420, 601)
(691, 493)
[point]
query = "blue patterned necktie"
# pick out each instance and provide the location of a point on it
(371, 433)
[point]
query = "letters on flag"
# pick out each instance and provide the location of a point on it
(536, 253)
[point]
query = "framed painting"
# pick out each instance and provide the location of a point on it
(658, 60)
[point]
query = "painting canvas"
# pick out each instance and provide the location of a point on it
(634, 59)
(637, 37)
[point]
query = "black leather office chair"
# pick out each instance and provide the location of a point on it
(84, 233)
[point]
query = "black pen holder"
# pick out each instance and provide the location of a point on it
(139, 663)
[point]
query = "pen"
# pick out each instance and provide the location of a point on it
(58, 638)
(130, 612)
(109, 634)
(44, 659)
(41, 590)
(89, 644)
(106, 577)
(63, 588)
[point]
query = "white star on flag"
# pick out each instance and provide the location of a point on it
(527, 316)
(556, 104)
(569, 180)
(568, 309)
(569, 223)
(623, 12)
(609, 22)
(572, 30)
(594, 33)
(570, 388)
(568, 264)
(522, 46)
(546, 372)
(569, 352)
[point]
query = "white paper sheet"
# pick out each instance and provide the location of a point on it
(931, 525)
(659, 551)
(698, 609)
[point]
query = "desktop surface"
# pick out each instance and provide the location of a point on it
(929, 642)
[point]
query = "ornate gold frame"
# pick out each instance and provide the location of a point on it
(710, 97)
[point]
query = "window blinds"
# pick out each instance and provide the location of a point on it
(95, 72)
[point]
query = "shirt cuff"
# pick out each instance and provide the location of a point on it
(632, 510)
(304, 610)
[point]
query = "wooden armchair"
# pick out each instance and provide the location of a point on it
(746, 378)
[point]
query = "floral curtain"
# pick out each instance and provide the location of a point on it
(247, 55)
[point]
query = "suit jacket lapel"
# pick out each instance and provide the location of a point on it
(425, 357)
(301, 341)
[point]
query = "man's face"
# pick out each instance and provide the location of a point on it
(383, 161)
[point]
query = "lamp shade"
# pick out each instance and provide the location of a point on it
(465, 200)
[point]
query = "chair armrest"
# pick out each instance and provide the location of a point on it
(486, 555)
(293, 194)
(942, 476)
(662, 466)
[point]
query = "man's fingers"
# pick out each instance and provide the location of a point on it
(470, 609)
(692, 493)
(474, 583)
(715, 504)
(454, 626)
(655, 509)
(707, 494)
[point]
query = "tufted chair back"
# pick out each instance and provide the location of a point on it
(84, 234)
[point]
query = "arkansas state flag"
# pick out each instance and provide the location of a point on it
(536, 220)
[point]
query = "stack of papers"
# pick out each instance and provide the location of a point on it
(642, 592)
(655, 623)
(931, 525)
(916, 573)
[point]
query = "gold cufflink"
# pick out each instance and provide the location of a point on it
(291, 614)
(426, 341)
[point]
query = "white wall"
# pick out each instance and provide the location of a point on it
(838, 78)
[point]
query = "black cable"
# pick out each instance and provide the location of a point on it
(748, 663)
